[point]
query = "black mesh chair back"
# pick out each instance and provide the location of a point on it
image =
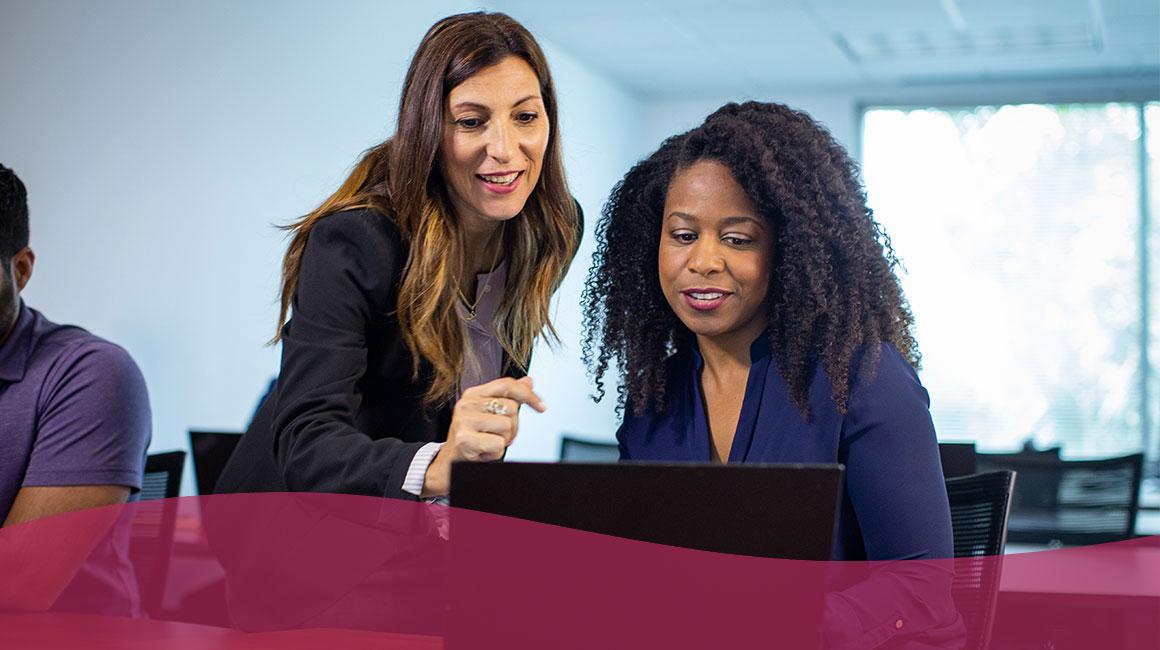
(154, 521)
(1073, 502)
(211, 452)
(1034, 487)
(979, 507)
(588, 451)
(162, 478)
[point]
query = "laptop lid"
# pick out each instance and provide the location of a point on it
(517, 584)
(211, 451)
(774, 511)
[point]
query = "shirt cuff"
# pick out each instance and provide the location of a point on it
(417, 472)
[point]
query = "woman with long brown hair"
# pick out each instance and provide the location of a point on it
(412, 297)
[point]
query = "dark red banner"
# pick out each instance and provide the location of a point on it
(320, 570)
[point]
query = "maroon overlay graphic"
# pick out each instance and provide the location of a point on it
(320, 570)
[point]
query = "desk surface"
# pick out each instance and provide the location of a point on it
(1106, 570)
(62, 630)
(1112, 574)
(1148, 522)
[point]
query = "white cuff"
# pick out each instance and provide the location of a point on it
(417, 472)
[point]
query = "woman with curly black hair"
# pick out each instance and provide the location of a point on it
(748, 300)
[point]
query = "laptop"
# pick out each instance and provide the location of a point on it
(514, 583)
(211, 451)
(738, 509)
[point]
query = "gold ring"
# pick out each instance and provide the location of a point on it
(495, 407)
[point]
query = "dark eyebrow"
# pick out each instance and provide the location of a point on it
(486, 108)
(727, 221)
(529, 97)
(470, 105)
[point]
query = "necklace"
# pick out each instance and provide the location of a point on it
(472, 305)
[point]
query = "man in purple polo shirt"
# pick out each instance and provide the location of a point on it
(74, 419)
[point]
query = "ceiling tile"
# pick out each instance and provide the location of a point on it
(658, 47)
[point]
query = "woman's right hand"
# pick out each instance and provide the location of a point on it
(483, 424)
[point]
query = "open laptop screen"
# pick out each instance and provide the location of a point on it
(775, 511)
(211, 452)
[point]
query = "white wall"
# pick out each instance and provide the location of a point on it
(601, 124)
(664, 117)
(160, 140)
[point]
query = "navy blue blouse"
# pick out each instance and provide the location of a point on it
(894, 504)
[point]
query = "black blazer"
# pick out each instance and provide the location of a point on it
(345, 416)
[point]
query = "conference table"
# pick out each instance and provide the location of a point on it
(1108, 571)
(37, 631)
(1105, 596)
(1112, 588)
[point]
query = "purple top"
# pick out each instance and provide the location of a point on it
(484, 355)
(73, 411)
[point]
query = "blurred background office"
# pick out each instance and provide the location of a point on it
(1011, 149)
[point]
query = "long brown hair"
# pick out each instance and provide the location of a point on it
(400, 179)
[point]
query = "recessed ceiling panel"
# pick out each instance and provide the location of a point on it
(685, 47)
(880, 16)
(990, 14)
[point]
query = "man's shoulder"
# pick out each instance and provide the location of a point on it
(56, 340)
(62, 349)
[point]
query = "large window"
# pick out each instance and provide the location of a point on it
(1027, 242)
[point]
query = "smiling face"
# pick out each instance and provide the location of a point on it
(495, 134)
(716, 256)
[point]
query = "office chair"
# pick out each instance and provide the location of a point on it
(588, 451)
(162, 478)
(957, 458)
(154, 521)
(211, 452)
(979, 507)
(1073, 502)
(1039, 488)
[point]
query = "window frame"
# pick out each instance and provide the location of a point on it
(1134, 91)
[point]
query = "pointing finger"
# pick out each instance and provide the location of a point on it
(518, 390)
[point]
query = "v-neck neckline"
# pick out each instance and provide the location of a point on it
(701, 438)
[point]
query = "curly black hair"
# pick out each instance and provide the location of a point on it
(833, 290)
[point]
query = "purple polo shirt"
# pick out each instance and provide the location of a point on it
(73, 411)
